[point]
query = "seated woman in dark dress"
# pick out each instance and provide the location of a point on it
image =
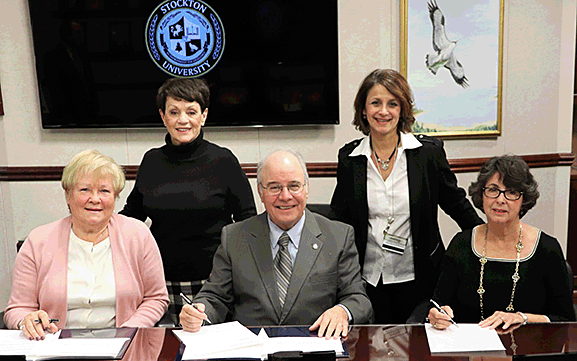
(505, 272)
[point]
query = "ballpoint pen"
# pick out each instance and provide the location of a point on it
(443, 311)
(187, 300)
(52, 320)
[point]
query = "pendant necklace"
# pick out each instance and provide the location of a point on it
(515, 277)
(385, 163)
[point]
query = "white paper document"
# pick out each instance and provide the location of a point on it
(258, 347)
(77, 347)
(465, 338)
(215, 338)
(13, 342)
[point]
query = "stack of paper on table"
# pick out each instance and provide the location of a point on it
(233, 340)
(13, 342)
(464, 338)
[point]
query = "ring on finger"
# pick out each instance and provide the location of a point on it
(435, 325)
(502, 319)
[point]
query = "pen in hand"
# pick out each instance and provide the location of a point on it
(188, 301)
(443, 312)
(52, 320)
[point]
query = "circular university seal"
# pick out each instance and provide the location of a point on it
(184, 38)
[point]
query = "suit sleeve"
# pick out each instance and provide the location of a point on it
(341, 201)
(452, 198)
(217, 293)
(351, 287)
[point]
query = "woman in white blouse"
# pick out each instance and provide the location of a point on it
(390, 185)
(92, 269)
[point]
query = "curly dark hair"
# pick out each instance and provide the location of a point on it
(398, 86)
(515, 175)
(189, 89)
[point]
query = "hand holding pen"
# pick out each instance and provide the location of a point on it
(441, 323)
(36, 324)
(190, 320)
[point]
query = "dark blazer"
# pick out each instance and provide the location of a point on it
(326, 272)
(431, 184)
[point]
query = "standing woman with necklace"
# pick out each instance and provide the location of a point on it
(505, 272)
(390, 185)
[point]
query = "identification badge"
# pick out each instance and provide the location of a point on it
(394, 243)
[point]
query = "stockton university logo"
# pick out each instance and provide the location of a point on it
(184, 38)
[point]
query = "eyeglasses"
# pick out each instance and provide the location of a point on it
(510, 194)
(275, 189)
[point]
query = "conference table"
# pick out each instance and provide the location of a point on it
(401, 342)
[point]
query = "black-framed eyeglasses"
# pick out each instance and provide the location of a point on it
(510, 194)
(276, 188)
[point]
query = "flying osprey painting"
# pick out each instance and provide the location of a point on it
(444, 48)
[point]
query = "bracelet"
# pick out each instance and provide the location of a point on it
(525, 320)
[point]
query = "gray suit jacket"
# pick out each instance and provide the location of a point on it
(326, 272)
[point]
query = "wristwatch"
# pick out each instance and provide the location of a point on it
(523, 317)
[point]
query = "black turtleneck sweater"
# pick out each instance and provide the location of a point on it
(189, 192)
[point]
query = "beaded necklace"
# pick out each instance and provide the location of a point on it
(385, 163)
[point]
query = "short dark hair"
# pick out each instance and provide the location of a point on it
(515, 175)
(189, 89)
(398, 86)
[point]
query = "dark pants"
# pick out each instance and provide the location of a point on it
(393, 303)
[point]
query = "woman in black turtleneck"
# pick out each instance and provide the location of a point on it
(189, 188)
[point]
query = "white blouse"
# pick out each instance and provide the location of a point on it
(91, 286)
(386, 199)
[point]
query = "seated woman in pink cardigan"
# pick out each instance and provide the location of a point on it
(92, 269)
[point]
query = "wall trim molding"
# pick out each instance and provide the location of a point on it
(316, 170)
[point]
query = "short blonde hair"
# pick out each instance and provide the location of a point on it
(93, 163)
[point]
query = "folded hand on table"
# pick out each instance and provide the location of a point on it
(334, 322)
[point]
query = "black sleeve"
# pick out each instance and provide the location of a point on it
(452, 198)
(445, 293)
(339, 209)
(240, 198)
(134, 206)
(559, 304)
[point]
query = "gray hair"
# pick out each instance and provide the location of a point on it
(298, 156)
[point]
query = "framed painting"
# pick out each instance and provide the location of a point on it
(1, 104)
(451, 55)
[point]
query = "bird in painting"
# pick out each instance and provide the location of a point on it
(444, 55)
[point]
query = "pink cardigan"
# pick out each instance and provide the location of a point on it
(40, 275)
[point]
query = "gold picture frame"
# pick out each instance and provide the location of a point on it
(1, 103)
(452, 56)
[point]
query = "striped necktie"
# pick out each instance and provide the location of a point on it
(283, 267)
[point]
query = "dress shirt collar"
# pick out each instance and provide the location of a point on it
(294, 233)
(408, 141)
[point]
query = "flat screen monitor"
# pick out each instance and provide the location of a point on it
(279, 63)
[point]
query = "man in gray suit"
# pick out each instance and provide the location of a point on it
(286, 266)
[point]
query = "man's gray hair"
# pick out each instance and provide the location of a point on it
(300, 158)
